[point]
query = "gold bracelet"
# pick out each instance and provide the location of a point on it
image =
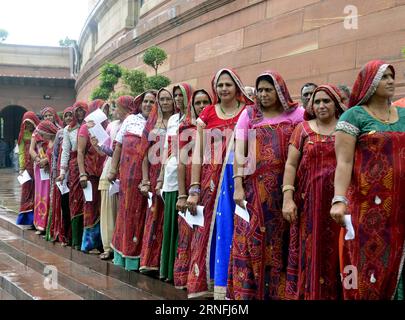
(238, 176)
(195, 184)
(288, 187)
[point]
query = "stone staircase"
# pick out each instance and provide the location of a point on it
(28, 262)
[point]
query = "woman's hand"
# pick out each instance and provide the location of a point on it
(94, 142)
(239, 196)
(337, 212)
(112, 176)
(60, 178)
(289, 210)
(83, 182)
(181, 205)
(159, 186)
(90, 124)
(43, 163)
(192, 202)
(21, 171)
(144, 189)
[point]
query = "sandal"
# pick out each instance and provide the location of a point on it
(107, 255)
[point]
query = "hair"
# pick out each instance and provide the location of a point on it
(309, 84)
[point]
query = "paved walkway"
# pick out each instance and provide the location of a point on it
(10, 189)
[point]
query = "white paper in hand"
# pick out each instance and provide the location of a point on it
(99, 132)
(44, 175)
(24, 177)
(198, 219)
(349, 227)
(114, 187)
(242, 212)
(185, 217)
(150, 195)
(96, 116)
(63, 188)
(88, 192)
(161, 195)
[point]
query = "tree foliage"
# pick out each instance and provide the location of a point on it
(135, 80)
(157, 82)
(154, 57)
(67, 42)
(110, 74)
(3, 35)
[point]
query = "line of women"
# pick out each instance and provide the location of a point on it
(292, 203)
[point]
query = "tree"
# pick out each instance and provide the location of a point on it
(135, 80)
(154, 57)
(110, 74)
(157, 82)
(3, 35)
(67, 42)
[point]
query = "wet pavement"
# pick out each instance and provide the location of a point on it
(10, 189)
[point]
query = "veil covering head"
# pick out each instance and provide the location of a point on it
(30, 117)
(367, 82)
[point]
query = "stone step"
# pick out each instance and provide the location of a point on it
(5, 295)
(19, 282)
(81, 280)
(157, 289)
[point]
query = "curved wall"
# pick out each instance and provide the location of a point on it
(304, 40)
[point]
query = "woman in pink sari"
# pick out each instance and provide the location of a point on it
(42, 186)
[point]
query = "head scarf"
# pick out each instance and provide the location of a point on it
(47, 127)
(57, 121)
(242, 96)
(94, 105)
(67, 110)
(367, 82)
(127, 103)
(333, 92)
(30, 117)
(281, 88)
(187, 92)
(78, 105)
(139, 99)
(191, 113)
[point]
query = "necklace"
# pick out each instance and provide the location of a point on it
(382, 120)
(319, 131)
(229, 114)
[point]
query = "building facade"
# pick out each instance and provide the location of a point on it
(307, 40)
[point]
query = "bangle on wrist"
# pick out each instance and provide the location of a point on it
(238, 176)
(145, 183)
(83, 175)
(337, 199)
(194, 190)
(288, 187)
(183, 196)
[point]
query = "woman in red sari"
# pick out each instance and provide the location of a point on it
(187, 133)
(257, 270)
(70, 168)
(59, 216)
(313, 272)
(26, 214)
(214, 143)
(153, 142)
(128, 157)
(90, 164)
(370, 187)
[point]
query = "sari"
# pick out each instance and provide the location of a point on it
(26, 213)
(257, 269)
(93, 163)
(129, 227)
(59, 216)
(185, 232)
(43, 187)
(372, 263)
(76, 196)
(210, 246)
(153, 230)
(170, 224)
(313, 263)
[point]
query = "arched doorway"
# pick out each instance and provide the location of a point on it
(10, 122)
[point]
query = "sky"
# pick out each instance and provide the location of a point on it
(42, 22)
